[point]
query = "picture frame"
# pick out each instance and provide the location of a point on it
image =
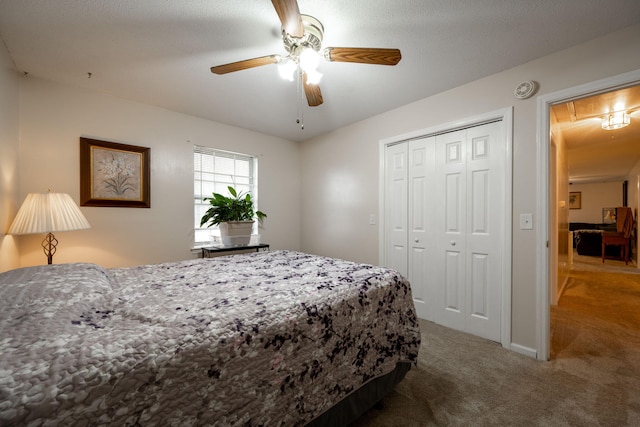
(575, 200)
(114, 174)
(609, 215)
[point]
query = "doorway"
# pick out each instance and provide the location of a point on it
(548, 205)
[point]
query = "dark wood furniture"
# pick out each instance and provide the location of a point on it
(207, 251)
(616, 239)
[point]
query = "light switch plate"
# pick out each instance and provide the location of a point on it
(526, 221)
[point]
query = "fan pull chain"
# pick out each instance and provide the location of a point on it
(299, 95)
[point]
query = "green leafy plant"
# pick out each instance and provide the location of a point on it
(237, 207)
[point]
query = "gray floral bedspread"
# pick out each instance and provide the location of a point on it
(269, 338)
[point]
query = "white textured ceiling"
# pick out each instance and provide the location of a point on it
(159, 52)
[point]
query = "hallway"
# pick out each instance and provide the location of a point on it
(599, 314)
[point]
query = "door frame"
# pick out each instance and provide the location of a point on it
(506, 116)
(545, 240)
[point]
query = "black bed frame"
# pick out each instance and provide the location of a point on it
(360, 401)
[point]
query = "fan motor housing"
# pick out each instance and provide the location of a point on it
(312, 37)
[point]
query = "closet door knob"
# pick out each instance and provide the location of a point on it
(416, 240)
(453, 243)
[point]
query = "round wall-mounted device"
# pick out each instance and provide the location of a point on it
(525, 89)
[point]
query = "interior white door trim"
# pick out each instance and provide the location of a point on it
(543, 150)
(506, 115)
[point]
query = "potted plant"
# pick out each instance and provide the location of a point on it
(234, 215)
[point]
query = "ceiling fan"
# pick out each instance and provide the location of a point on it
(302, 38)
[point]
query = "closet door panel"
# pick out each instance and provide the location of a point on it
(449, 196)
(396, 186)
(479, 213)
(484, 260)
(419, 242)
(479, 286)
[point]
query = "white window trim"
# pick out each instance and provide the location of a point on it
(219, 183)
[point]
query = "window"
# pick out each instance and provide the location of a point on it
(213, 171)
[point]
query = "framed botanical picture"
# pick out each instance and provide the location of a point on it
(113, 174)
(575, 200)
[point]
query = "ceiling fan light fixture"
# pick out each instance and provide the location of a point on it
(287, 69)
(309, 60)
(313, 77)
(615, 120)
(302, 37)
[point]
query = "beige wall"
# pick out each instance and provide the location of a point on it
(340, 170)
(9, 137)
(53, 117)
(595, 196)
(633, 180)
(633, 202)
(559, 203)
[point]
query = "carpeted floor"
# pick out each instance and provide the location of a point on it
(593, 378)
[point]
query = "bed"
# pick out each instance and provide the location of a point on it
(269, 338)
(587, 237)
(588, 242)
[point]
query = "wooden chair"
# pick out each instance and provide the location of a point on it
(622, 238)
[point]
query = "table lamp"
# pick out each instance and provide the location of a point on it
(46, 213)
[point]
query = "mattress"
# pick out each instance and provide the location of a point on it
(268, 338)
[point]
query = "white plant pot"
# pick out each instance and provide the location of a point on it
(236, 233)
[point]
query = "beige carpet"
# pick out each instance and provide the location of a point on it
(592, 380)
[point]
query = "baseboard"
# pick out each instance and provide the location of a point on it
(531, 352)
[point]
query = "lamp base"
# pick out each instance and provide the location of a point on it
(49, 246)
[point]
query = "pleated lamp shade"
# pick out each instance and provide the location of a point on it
(48, 212)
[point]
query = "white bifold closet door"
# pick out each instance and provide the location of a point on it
(444, 207)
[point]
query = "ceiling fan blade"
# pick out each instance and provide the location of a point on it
(289, 15)
(247, 63)
(314, 96)
(363, 55)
